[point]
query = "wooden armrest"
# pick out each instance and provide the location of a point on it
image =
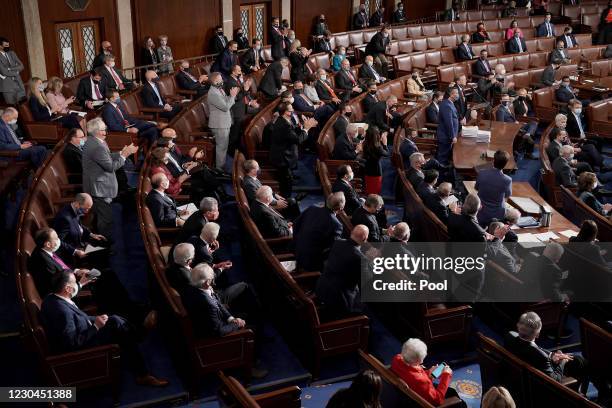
(205, 135)
(67, 358)
(168, 230)
(285, 257)
(307, 114)
(140, 116)
(568, 381)
(559, 104)
(279, 240)
(335, 324)
(269, 397)
(151, 110)
(426, 131)
(186, 92)
(9, 153)
(68, 187)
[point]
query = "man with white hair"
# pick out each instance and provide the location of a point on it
(511, 217)
(348, 145)
(271, 223)
(497, 251)
(161, 206)
(556, 365)
(415, 173)
(464, 50)
(271, 84)
(464, 227)
(315, 230)
(408, 365)
(401, 233)
(9, 140)
(338, 287)
(208, 211)
(346, 81)
(185, 80)
(324, 88)
(551, 276)
(178, 271)
(437, 202)
(564, 173)
(367, 72)
(99, 180)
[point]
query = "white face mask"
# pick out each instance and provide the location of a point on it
(291, 100)
(75, 290)
(369, 63)
(258, 47)
(578, 111)
(350, 177)
(40, 88)
(12, 122)
(112, 64)
(57, 246)
(323, 77)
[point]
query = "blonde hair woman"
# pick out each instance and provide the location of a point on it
(58, 102)
(498, 397)
(42, 111)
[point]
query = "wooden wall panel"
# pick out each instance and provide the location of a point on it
(305, 12)
(11, 27)
(414, 9)
(273, 8)
(56, 11)
(189, 24)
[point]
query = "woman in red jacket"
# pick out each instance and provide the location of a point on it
(159, 161)
(408, 367)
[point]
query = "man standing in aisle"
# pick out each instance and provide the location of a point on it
(220, 120)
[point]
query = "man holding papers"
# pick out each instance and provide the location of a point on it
(162, 206)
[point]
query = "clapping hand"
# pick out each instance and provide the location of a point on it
(100, 321)
(234, 91)
(310, 123)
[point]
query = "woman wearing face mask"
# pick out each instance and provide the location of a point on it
(338, 58)
(513, 27)
(43, 112)
(415, 86)
(58, 102)
(374, 149)
(587, 184)
(160, 158)
(148, 55)
(164, 54)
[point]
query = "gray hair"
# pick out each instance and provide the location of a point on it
(529, 325)
(182, 253)
(201, 273)
(512, 215)
(401, 231)
(94, 126)
(471, 204)
(560, 117)
(414, 157)
(210, 231)
(208, 204)
(566, 150)
(444, 189)
(352, 129)
(493, 226)
(8, 111)
(374, 201)
(264, 192)
(392, 98)
(553, 251)
(213, 76)
(82, 198)
(249, 165)
(336, 201)
(414, 351)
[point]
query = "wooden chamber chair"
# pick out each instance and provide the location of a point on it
(599, 116)
(47, 133)
(232, 394)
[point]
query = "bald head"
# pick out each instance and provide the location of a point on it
(159, 181)
(150, 75)
(168, 133)
(360, 234)
(264, 194)
(401, 232)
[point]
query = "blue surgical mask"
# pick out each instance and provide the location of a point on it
(117, 101)
(82, 142)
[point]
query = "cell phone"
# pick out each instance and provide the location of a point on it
(438, 371)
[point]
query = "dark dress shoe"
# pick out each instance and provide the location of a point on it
(151, 381)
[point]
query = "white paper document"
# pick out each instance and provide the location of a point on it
(89, 249)
(191, 208)
(568, 233)
(546, 236)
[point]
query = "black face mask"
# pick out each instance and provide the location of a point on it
(372, 92)
(7, 49)
(219, 33)
(348, 114)
(299, 91)
(96, 82)
(239, 34)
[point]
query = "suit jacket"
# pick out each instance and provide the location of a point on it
(464, 54)
(360, 20)
(481, 68)
(269, 222)
(504, 115)
(185, 82)
(564, 94)
(361, 216)
(67, 327)
(343, 81)
(298, 66)
(322, 91)
(415, 87)
(320, 28)
(533, 354)
(247, 60)
(10, 68)
(519, 107)
(493, 187)
(377, 19)
(352, 199)
(341, 124)
(208, 315)
(278, 43)
(448, 122)
(566, 43)
(40, 113)
(338, 286)
(219, 108)
(272, 81)
(322, 45)
(148, 57)
(178, 276)
(548, 76)
(73, 158)
(84, 93)
(193, 226)
(513, 48)
(485, 89)
(116, 117)
(73, 234)
(558, 56)
(368, 101)
(99, 166)
(284, 143)
(564, 174)
(343, 148)
(553, 151)
(300, 104)
(110, 81)
(377, 116)
(149, 97)
(542, 31)
(463, 228)
(437, 206)
(223, 63)
(572, 128)
(6, 139)
(218, 44)
(314, 232)
(99, 60)
(377, 45)
(406, 149)
(478, 37)
(398, 16)
(43, 268)
(431, 112)
(239, 108)
(415, 177)
(368, 73)
(202, 252)
(162, 208)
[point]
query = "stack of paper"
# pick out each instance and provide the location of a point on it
(528, 240)
(469, 131)
(568, 233)
(191, 208)
(450, 199)
(289, 265)
(546, 236)
(484, 136)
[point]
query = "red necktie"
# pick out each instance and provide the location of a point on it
(98, 94)
(59, 261)
(118, 80)
(351, 76)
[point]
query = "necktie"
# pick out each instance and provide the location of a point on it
(305, 98)
(98, 93)
(125, 122)
(468, 51)
(190, 76)
(352, 78)
(222, 40)
(118, 80)
(518, 41)
(256, 54)
(568, 41)
(8, 59)
(329, 89)
(13, 135)
(59, 261)
(161, 103)
(374, 73)
(548, 31)
(579, 125)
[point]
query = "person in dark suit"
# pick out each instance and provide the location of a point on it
(494, 187)
(504, 114)
(344, 119)
(41, 110)
(437, 202)
(298, 59)
(106, 49)
(344, 176)
(482, 67)
(367, 72)
(378, 17)
(566, 93)
(548, 75)
(162, 206)
(243, 105)
(371, 98)
(271, 223)
(377, 48)
(516, 44)
(205, 245)
(577, 129)
(564, 174)
(464, 50)
(338, 287)
(178, 271)
(382, 115)
(152, 98)
(348, 144)
(218, 42)
(414, 173)
(118, 120)
(360, 19)
(480, 35)
(226, 60)
(73, 154)
(460, 103)
(568, 39)
(91, 90)
(208, 211)
(427, 187)
(320, 27)
(241, 39)
(252, 60)
(559, 55)
(485, 87)
(148, 56)
(315, 231)
(323, 44)
(408, 146)
(433, 109)
(277, 39)
(284, 143)
(398, 14)
(9, 140)
(324, 89)
(185, 80)
(69, 329)
(302, 103)
(272, 84)
(366, 215)
(546, 28)
(113, 77)
(448, 127)
(464, 227)
(554, 364)
(346, 81)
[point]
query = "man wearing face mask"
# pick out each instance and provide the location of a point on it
(106, 49)
(371, 98)
(117, 119)
(368, 73)
(360, 19)
(566, 93)
(241, 39)
(302, 103)
(546, 29)
(348, 144)
(244, 104)
(415, 87)
(91, 90)
(113, 77)
(152, 98)
(218, 42)
(559, 55)
(11, 85)
(482, 67)
(433, 109)
(505, 114)
(320, 28)
(226, 60)
(564, 173)
(252, 60)
(586, 154)
(220, 103)
(377, 48)
(323, 44)
(347, 82)
(9, 140)
(516, 44)
(398, 15)
(384, 115)
(448, 127)
(324, 89)
(73, 155)
(577, 129)
(485, 87)
(548, 75)
(378, 17)
(185, 80)
(69, 329)
(523, 108)
(340, 125)
(344, 176)
(277, 39)
(162, 206)
(271, 84)
(568, 39)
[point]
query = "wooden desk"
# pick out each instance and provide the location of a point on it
(467, 154)
(523, 189)
(586, 86)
